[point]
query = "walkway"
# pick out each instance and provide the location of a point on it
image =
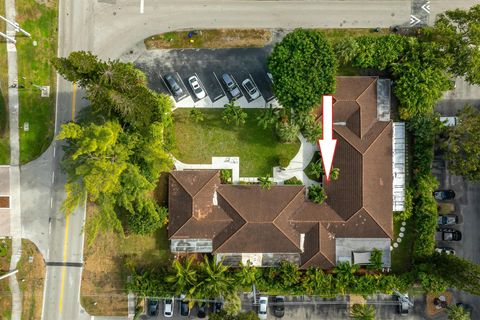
(232, 163)
(15, 218)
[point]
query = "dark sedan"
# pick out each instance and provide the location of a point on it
(444, 195)
(279, 306)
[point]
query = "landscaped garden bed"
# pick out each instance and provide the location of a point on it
(259, 149)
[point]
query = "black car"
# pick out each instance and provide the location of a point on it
(217, 306)
(449, 235)
(153, 306)
(279, 306)
(173, 85)
(202, 311)
(444, 195)
(184, 308)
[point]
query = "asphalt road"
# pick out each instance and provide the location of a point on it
(111, 27)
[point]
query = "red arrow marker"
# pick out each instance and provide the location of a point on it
(327, 144)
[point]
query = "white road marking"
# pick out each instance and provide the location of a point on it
(54, 150)
(413, 20)
(426, 7)
(53, 177)
(258, 89)
(51, 206)
(141, 6)
(219, 84)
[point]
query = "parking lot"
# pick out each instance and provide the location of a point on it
(208, 65)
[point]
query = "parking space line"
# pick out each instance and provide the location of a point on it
(166, 86)
(221, 87)
(186, 89)
(258, 89)
(201, 84)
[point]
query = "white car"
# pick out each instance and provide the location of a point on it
(196, 87)
(445, 250)
(251, 89)
(168, 307)
(262, 307)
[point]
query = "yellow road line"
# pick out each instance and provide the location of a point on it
(67, 220)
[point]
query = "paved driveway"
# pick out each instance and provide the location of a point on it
(209, 65)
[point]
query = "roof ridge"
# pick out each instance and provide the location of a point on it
(181, 184)
(346, 140)
(238, 214)
(376, 222)
(316, 225)
(361, 94)
(191, 197)
(288, 221)
(205, 184)
(378, 135)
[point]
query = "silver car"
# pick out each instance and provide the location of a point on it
(196, 87)
(232, 87)
(251, 89)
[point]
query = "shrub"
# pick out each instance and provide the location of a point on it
(148, 219)
(283, 161)
(293, 181)
(317, 194)
(312, 131)
(404, 215)
(287, 131)
(226, 176)
(196, 115)
(234, 114)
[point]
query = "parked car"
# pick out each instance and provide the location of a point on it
(447, 220)
(279, 306)
(217, 306)
(232, 87)
(448, 235)
(403, 306)
(445, 250)
(173, 85)
(168, 307)
(202, 311)
(196, 87)
(251, 89)
(153, 306)
(444, 195)
(262, 307)
(184, 308)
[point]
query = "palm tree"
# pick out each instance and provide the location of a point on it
(247, 274)
(268, 117)
(362, 312)
(317, 282)
(215, 281)
(345, 275)
(234, 114)
(184, 276)
(316, 169)
(265, 182)
(196, 115)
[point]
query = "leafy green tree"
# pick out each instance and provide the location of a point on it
(303, 66)
(148, 217)
(317, 194)
(362, 312)
(458, 32)
(265, 182)
(234, 114)
(196, 115)
(184, 276)
(287, 131)
(312, 131)
(316, 282)
(462, 145)
(455, 312)
(345, 276)
(246, 275)
(376, 262)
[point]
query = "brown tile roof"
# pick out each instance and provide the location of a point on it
(240, 218)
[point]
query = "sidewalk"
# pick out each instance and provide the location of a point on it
(15, 218)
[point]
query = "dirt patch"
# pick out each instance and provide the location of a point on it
(4, 202)
(31, 277)
(5, 296)
(432, 309)
(218, 38)
(106, 267)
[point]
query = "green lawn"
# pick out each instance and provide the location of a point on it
(402, 256)
(258, 149)
(34, 65)
(4, 140)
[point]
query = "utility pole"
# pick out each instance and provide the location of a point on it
(17, 28)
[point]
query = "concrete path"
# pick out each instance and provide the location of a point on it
(232, 163)
(15, 218)
(297, 164)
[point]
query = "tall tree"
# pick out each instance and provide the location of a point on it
(184, 276)
(462, 145)
(214, 280)
(458, 31)
(234, 114)
(303, 66)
